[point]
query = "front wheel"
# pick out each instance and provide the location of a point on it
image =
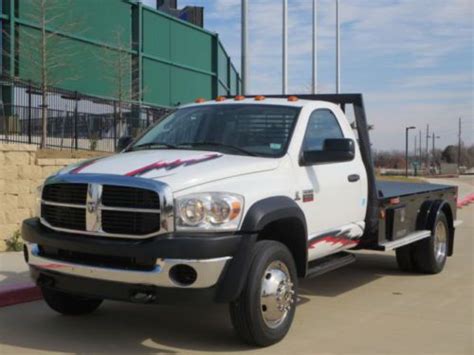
(264, 311)
(69, 304)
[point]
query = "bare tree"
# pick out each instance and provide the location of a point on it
(122, 73)
(44, 53)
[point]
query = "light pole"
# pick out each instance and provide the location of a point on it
(406, 148)
(284, 63)
(244, 44)
(314, 81)
(338, 51)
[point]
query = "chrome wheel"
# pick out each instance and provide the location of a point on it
(276, 295)
(440, 242)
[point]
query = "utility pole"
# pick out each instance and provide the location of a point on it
(338, 51)
(427, 157)
(434, 137)
(419, 147)
(285, 48)
(406, 148)
(459, 145)
(314, 82)
(415, 165)
(244, 42)
(415, 151)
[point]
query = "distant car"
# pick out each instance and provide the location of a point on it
(231, 201)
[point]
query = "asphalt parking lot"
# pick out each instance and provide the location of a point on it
(367, 307)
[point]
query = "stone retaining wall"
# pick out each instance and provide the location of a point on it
(21, 172)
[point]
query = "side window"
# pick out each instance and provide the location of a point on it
(322, 124)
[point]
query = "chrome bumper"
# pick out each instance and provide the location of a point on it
(208, 270)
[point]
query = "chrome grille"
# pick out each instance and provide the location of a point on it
(125, 196)
(64, 217)
(130, 222)
(113, 208)
(66, 193)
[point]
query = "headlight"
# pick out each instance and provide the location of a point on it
(209, 211)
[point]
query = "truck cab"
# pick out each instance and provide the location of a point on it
(231, 201)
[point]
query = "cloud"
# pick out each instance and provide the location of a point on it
(412, 59)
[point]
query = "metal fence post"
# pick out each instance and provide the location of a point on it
(76, 119)
(29, 111)
(115, 126)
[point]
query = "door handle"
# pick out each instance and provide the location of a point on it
(353, 177)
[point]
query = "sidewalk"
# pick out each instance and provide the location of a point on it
(15, 284)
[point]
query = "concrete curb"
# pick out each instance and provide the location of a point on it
(19, 293)
(465, 200)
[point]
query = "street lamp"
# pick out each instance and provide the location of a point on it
(406, 148)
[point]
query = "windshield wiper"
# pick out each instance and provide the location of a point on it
(153, 145)
(216, 144)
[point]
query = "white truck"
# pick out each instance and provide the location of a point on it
(231, 200)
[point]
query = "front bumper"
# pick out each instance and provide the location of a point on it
(208, 270)
(220, 261)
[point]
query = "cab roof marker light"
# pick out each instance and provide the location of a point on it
(239, 98)
(220, 98)
(259, 98)
(200, 100)
(292, 98)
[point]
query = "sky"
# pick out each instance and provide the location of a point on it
(411, 59)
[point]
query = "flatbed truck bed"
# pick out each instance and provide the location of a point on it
(391, 189)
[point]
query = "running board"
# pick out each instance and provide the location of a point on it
(329, 263)
(410, 238)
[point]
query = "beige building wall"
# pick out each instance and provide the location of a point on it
(21, 172)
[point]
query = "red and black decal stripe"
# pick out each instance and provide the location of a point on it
(170, 165)
(84, 165)
(335, 237)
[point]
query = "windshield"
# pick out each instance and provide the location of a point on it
(260, 130)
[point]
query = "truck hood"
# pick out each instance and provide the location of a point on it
(181, 169)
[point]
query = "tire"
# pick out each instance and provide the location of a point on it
(429, 255)
(405, 258)
(68, 304)
(258, 320)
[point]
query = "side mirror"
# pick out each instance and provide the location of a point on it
(334, 151)
(123, 143)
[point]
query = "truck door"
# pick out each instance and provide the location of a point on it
(333, 195)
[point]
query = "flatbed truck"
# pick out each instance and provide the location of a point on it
(231, 200)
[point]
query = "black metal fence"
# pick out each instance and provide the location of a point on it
(74, 120)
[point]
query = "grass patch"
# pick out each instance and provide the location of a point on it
(400, 178)
(14, 243)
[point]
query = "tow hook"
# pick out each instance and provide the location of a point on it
(143, 297)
